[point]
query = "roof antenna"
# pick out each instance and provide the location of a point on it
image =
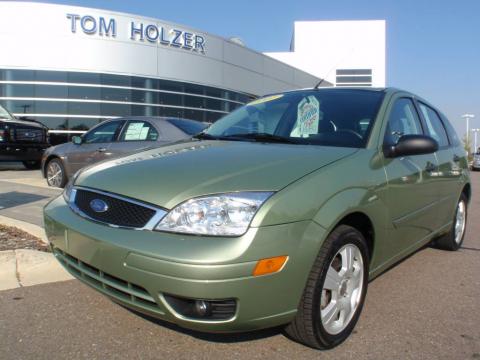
(319, 83)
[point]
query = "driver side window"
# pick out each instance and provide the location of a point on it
(403, 120)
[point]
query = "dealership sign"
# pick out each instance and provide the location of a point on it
(138, 31)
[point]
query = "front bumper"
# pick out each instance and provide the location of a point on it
(138, 267)
(22, 152)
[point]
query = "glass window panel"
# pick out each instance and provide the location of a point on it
(21, 106)
(19, 90)
(81, 123)
(51, 107)
(434, 125)
(54, 123)
(20, 75)
(84, 78)
(211, 117)
(84, 92)
(139, 131)
(141, 96)
(215, 104)
(195, 102)
(115, 109)
(117, 80)
(83, 108)
(52, 76)
(170, 85)
(51, 91)
(403, 120)
(104, 133)
(111, 94)
(170, 99)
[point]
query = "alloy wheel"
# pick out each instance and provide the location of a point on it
(54, 174)
(342, 289)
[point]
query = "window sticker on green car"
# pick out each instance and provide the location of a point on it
(308, 117)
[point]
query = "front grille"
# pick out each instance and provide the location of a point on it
(29, 135)
(119, 212)
(109, 284)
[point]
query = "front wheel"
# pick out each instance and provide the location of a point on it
(335, 292)
(55, 173)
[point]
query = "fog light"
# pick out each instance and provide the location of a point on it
(202, 307)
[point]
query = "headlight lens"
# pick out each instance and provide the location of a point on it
(67, 191)
(224, 214)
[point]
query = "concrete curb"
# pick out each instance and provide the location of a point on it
(32, 229)
(24, 267)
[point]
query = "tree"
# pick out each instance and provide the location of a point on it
(467, 145)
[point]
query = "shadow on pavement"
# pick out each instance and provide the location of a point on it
(16, 198)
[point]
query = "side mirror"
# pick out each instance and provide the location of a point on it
(411, 145)
(77, 140)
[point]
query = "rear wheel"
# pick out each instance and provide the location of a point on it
(454, 238)
(335, 292)
(55, 173)
(31, 165)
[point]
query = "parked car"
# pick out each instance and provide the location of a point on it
(113, 138)
(476, 162)
(22, 140)
(278, 214)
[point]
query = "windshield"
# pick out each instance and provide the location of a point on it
(4, 114)
(332, 117)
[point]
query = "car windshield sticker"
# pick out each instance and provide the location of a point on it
(308, 117)
(265, 99)
(136, 131)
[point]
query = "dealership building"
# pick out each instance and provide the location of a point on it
(72, 67)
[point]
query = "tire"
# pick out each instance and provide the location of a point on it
(31, 165)
(55, 173)
(308, 326)
(452, 240)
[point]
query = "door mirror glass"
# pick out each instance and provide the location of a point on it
(411, 145)
(77, 140)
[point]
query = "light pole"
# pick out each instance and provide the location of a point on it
(475, 131)
(468, 117)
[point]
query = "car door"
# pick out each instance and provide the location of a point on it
(95, 145)
(449, 164)
(135, 136)
(411, 185)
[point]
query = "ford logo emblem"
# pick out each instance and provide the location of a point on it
(98, 205)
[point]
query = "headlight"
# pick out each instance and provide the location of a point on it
(67, 191)
(224, 214)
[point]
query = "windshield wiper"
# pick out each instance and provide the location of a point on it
(262, 137)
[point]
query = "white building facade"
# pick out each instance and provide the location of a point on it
(344, 53)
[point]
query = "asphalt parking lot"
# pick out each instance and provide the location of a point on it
(426, 307)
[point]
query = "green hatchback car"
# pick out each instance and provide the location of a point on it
(278, 214)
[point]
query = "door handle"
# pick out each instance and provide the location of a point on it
(102, 149)
(456, 158)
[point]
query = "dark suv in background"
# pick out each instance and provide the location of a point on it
(22, 140)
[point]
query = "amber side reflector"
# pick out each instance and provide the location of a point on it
(270, 265)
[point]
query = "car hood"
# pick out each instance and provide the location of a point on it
(168, 175)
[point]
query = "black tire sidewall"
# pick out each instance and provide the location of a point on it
(348, 236)
(59, 162)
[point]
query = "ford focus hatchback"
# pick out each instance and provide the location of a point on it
(278, 214)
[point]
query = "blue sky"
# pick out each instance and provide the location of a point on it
(433, 47)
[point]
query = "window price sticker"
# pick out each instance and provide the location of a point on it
(308, 117)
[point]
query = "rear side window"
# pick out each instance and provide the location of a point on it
(452, 134)
(434, 125)
(139, 131)
(403, 120)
